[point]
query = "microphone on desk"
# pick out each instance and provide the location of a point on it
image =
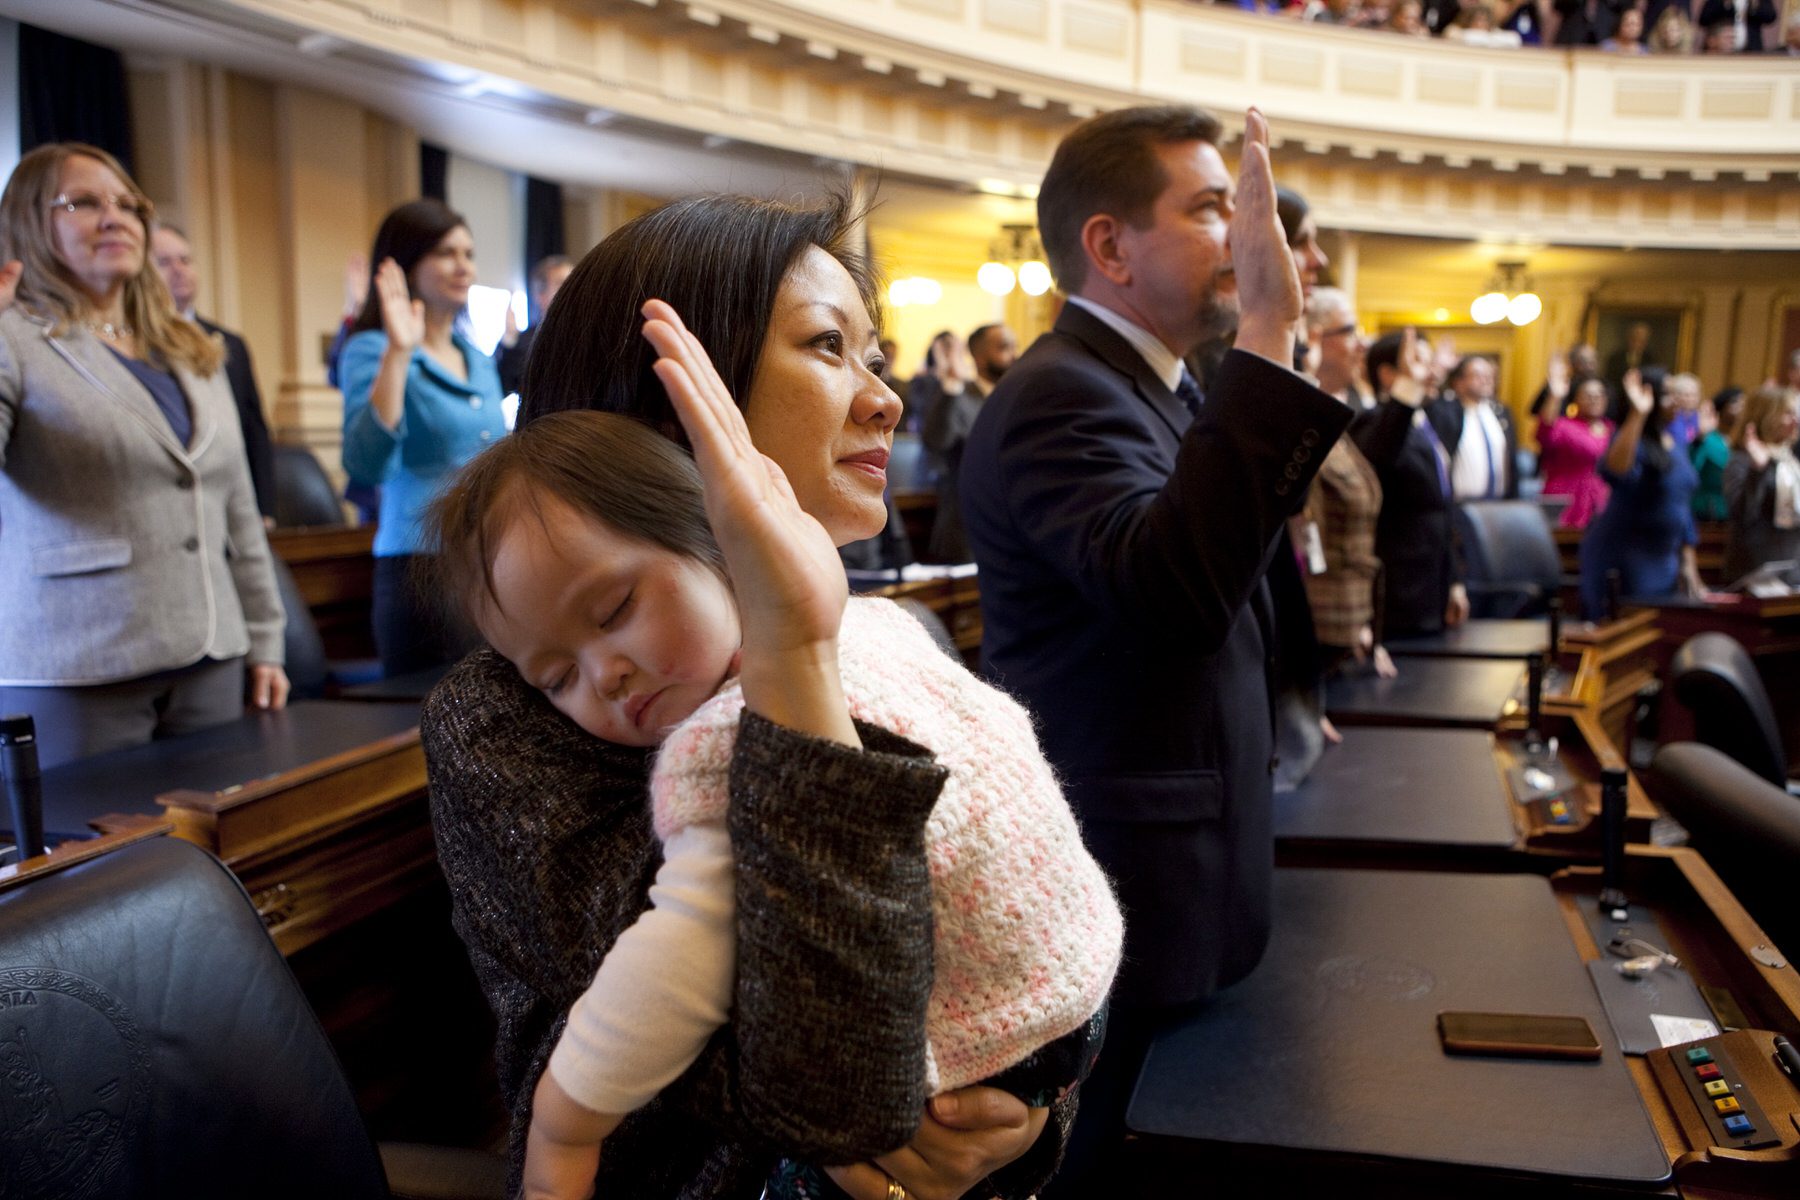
(24, 792)
(1612, 844)
(1534, 702)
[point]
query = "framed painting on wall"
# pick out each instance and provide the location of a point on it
(1627, 335)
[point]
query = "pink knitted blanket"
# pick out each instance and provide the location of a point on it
(1027, 931)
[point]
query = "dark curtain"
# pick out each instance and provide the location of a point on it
(543, 226)
(434, 172)
(72, 91)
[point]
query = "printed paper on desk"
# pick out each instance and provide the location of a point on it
(1675, 1031)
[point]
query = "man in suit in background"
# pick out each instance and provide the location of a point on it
(174, 258)
(1415, 534)
(1478, 432)
(514, 349)
(993, 349)
(1123, 525)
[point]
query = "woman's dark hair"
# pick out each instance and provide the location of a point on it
(1725, 399)
(1582, 381)
(718, 261)
(406, 235)
(607, 467)
(1291, 209)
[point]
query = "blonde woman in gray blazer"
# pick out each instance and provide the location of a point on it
(135, 579)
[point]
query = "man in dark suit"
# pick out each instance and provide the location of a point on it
(174, 258)
(1478, 432)
(1415, 534)
(1123, 526)
(993, 349)
(514, 349)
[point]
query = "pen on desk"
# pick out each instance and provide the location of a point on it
(1787, 1058)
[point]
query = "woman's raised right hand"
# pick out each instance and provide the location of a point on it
(402, 317)
(9, 282)
(1558, 380)
(790, 583)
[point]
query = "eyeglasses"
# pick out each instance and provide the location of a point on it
(1342, 331)
(89, 205)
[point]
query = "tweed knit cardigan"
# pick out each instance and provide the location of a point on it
(1027, 930)
(545, 839)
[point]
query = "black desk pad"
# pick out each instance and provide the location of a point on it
(1331, 1045)
(1517, 640)
(259, 745)
(1431, 787)
(1442, 692)
(412, 688)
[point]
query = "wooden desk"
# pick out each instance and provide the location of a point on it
(411, 688)
(1429, 692)
(318, 809)
(1321, 1073)
(334, 567)
(80, 850)
(1454, 798)
(1606, 666)
(957, 602)
(1768, 629)
(1515, 640)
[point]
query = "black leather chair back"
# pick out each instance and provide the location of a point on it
(1716, 680)
(154, 1044)
(307, 668)
(1747, 828)
(1509, 557)
(303, 492)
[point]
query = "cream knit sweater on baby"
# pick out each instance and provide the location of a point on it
(1027, 931)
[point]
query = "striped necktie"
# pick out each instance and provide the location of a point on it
(1188, 392)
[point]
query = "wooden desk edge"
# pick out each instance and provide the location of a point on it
(226, 799)
(140, 828)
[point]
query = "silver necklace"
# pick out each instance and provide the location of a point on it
(109, 331)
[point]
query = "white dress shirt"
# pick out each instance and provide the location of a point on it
(1478, 468)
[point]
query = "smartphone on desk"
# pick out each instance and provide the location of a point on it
(1517, 1035)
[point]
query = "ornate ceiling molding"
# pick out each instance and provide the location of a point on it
(1424, 136)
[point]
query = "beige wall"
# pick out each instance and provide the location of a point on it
(277, 187)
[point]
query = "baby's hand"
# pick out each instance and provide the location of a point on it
(562, 1147)
(558, 1170)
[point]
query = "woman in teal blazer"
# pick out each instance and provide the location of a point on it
(419, 401)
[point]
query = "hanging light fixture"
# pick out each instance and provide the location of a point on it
(1509, 297)
(1015, 259)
